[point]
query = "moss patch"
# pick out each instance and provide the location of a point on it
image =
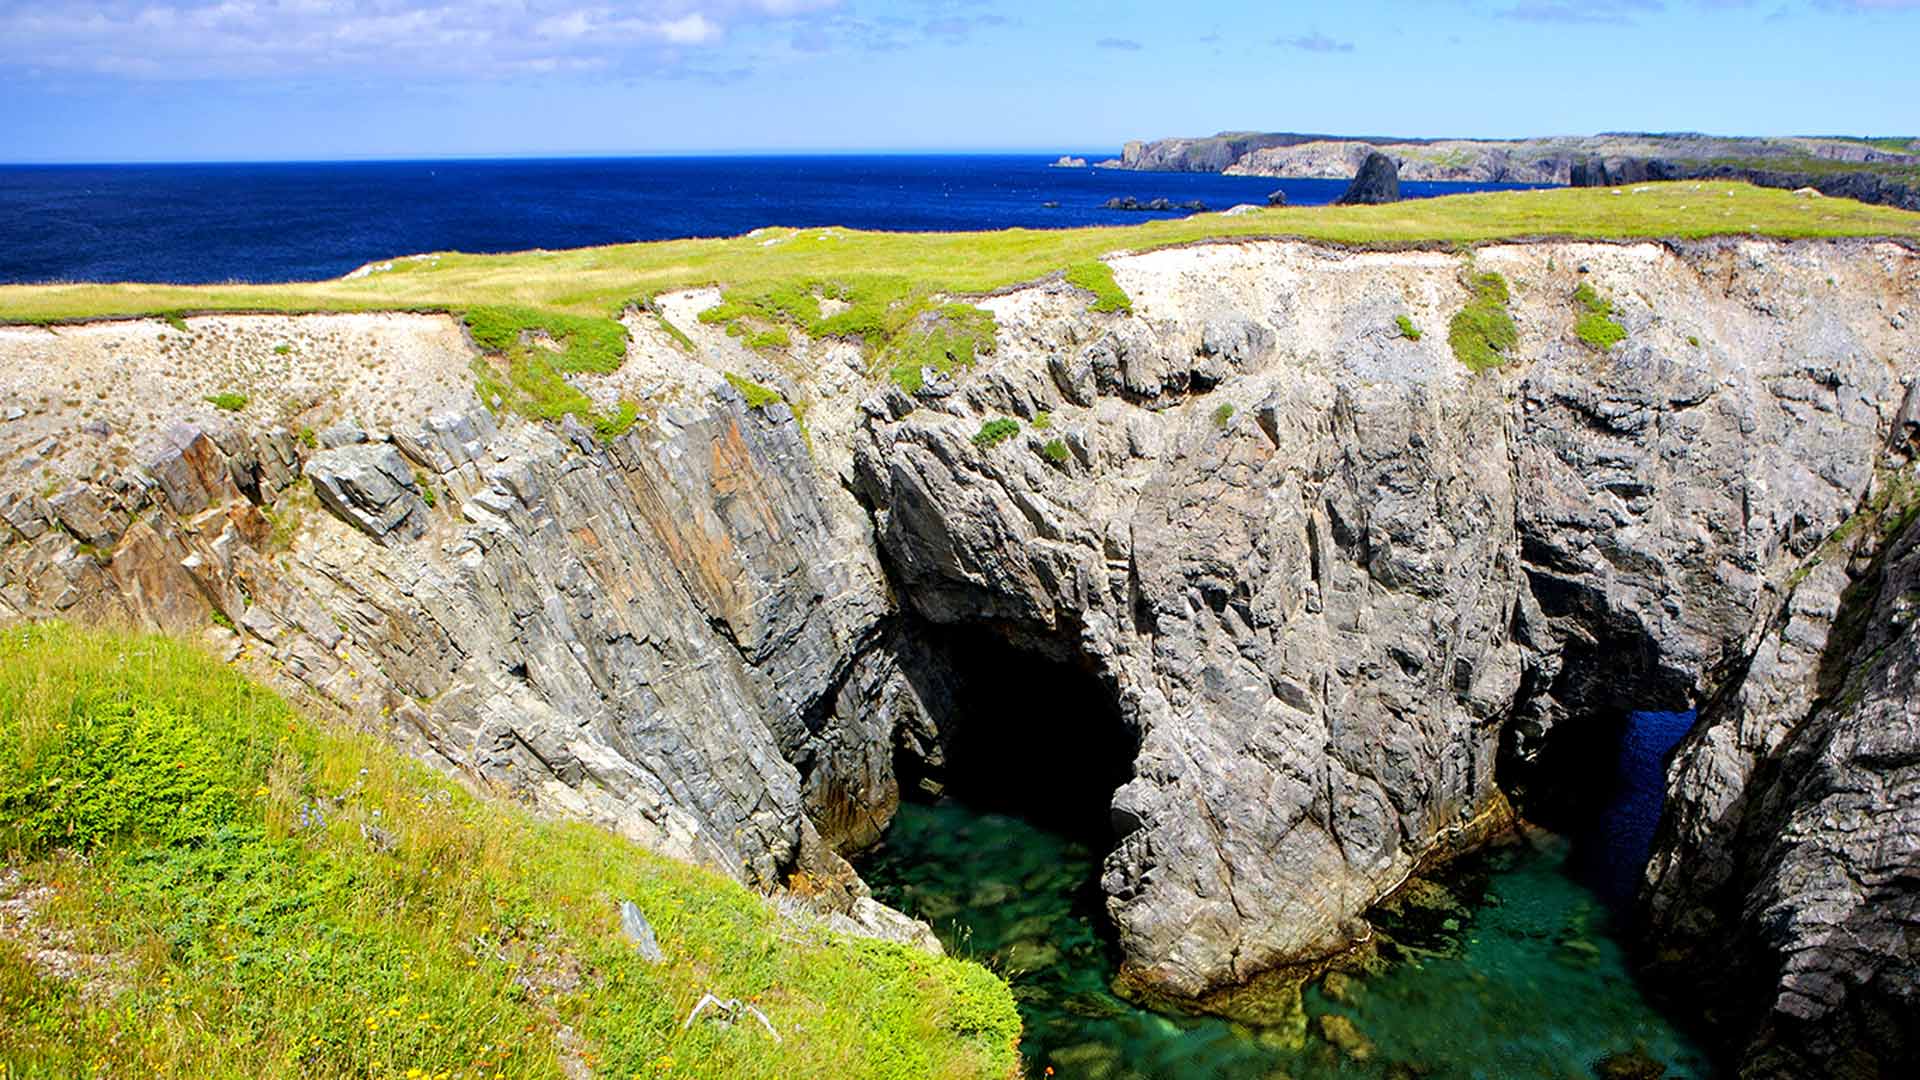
(228, 402)
(758, 397)
(994, 432)
(1596, 326)
(1483, 334)
(531, 352)
(948, 338)
(1097, 278)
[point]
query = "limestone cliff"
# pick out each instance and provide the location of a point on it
(1348, 599)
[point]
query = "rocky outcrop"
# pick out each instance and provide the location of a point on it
(1348, 596)
(1378, 181)
(1349, 600)
(1795, 832)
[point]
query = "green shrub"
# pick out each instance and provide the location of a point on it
(1055, 451)
(1042, 420)
(1223, 415)
(282, 349)
(228, 402)
(425, 484)
(1596, 326)
(1097, 278)
(994, 432)
(1407, 329)
(1482, 334)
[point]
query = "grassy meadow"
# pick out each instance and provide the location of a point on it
(255, 893)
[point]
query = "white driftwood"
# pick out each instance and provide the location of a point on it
(729, 1011)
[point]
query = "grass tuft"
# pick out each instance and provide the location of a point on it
(948, 338)
(1483, 332)
(1055, 451)
(1407, 329)
(994, 432)
(1596, 326)
(1097, 278)
(282, 898)
(228, 401)
(538, 350)
(758, 397)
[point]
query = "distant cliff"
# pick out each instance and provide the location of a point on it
(1883, 171)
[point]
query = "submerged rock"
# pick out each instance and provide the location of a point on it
(1347, 1036)
(1628, 1065)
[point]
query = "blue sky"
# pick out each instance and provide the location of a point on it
(140, 80)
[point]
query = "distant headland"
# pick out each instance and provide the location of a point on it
(1878, 170)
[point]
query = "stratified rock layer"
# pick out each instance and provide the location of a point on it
(1347, 595)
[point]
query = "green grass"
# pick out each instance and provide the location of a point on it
(228, 401)
(174, 321)
(1055, 451)
(1483, 332)
(947, 338)
(994, 432)
(1407, 329)
(758, 397)
(678, 335)
(282, 349)
(1097, 278)
(532, 351)
(1596, 326)
(1223, 415)
(282, 898)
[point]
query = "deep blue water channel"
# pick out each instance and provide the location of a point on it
(1517, 967)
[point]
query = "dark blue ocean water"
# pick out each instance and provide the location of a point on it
(1610, 850)
(299, 222)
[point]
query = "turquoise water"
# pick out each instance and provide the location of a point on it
(1510, 970)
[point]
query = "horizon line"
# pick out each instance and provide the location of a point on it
(568, 155)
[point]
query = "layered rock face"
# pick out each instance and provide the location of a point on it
(673, 633)
(1347, 596)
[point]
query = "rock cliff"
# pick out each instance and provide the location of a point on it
(1348, 602)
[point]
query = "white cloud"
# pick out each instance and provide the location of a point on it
(245, 39)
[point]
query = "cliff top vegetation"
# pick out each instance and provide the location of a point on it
(801, 263)
(239, 890)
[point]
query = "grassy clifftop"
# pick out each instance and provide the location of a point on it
(236, 891)
(767, 266)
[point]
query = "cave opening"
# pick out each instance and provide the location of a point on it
(1029, 734)
(1597, 775)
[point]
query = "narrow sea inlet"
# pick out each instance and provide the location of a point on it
(1509, 966)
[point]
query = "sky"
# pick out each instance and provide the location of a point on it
(233, 80)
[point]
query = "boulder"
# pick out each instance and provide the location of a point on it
(1377, 182)
(1276, 197)
(369, 486)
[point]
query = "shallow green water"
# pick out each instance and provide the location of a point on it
(1511, 972)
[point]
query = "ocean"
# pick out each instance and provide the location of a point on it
(311, 221)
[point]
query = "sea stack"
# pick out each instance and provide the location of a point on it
(1378, 182)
